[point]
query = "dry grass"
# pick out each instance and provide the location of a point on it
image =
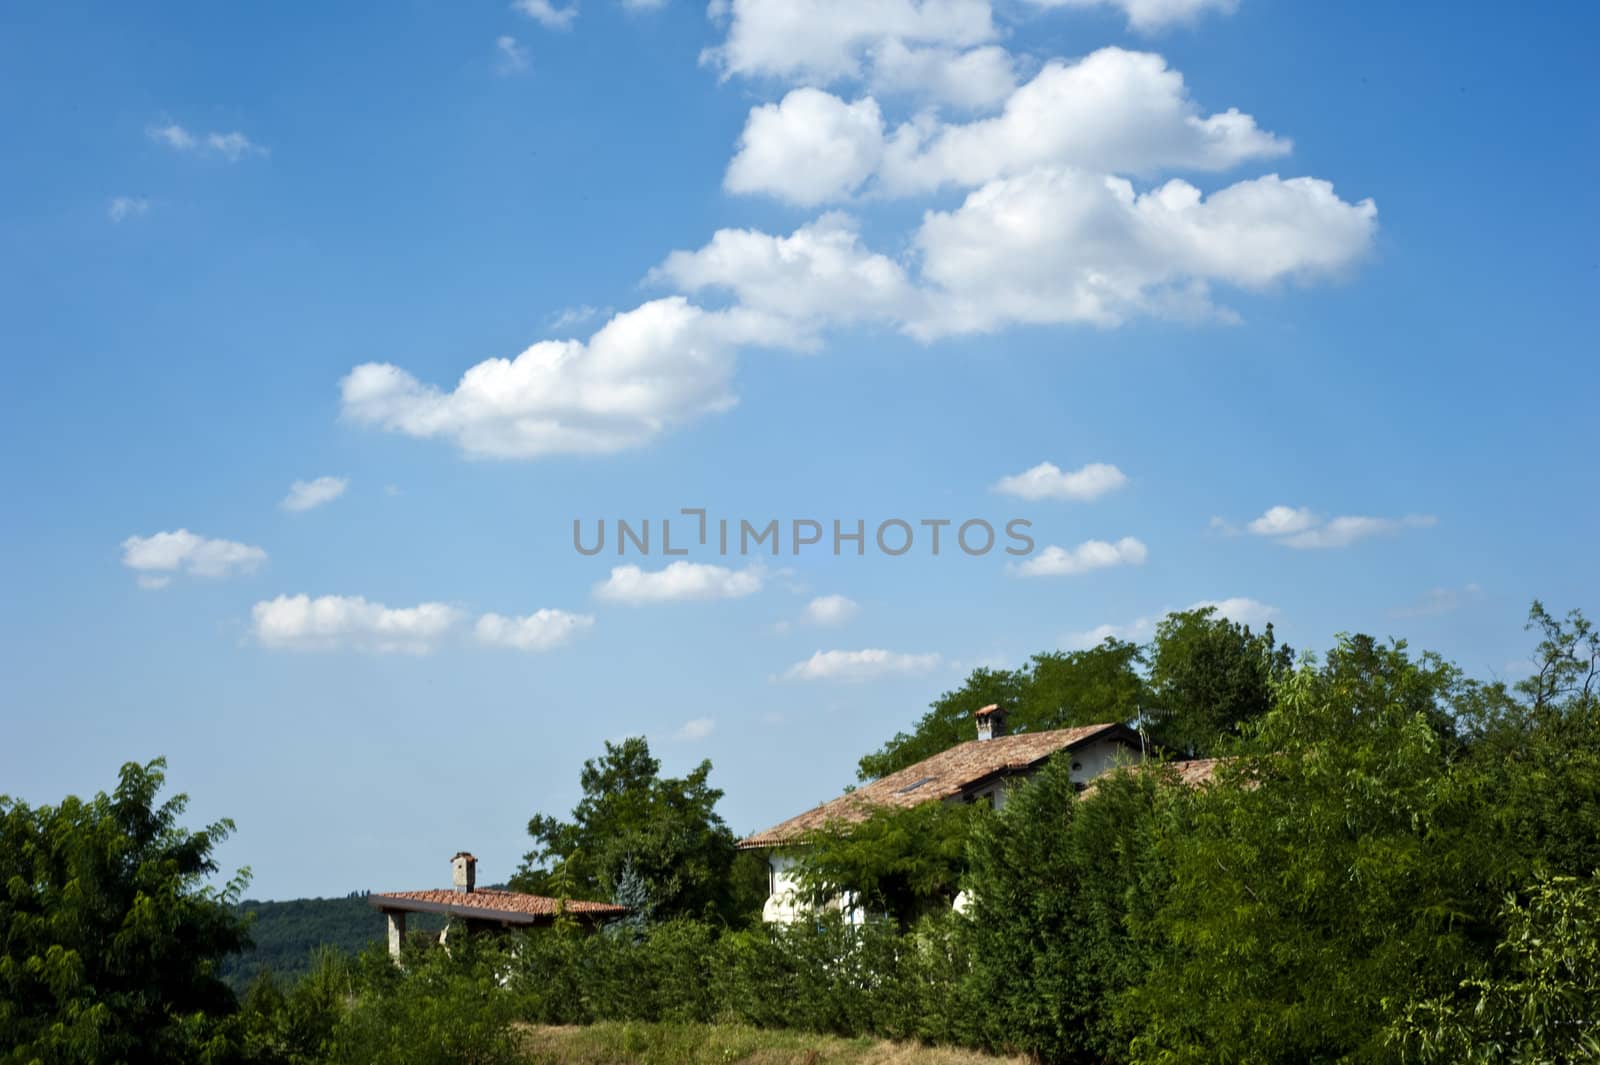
(628, 1043)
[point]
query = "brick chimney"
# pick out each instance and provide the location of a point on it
(991, 721)
(463, 872)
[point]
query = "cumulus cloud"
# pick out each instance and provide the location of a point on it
(548, 14)
(697, 729)
(1299, 527)
(831, 610)
(823, 41)
(1088, 556)
(647, 369)
(124, 207)
(330, 622)
(157, 558)
(512, 56)
(809, 147)
(821, 274)
(1282, 520)
(1049, 481)
(1344, 531)
(1111, 112)
(539, 631)
(972, 79)
(1146, 16)
(304, 495)
(679, 581)
(867, 664)
(1060, 246)
(1240, 609)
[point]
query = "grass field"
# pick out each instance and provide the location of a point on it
(622, 1043)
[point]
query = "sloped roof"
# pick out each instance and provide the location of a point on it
(1193, 773)
(946, 774)
(492, 904)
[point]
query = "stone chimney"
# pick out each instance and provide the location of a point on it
(991, 721)
(463, 872)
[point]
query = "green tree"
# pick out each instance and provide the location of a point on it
(1332, 872)
(664, 832)
(906, 863)
(111, 937)
(1057, 689)
(1060, 882)
(1541, 1005)
(1208, 676)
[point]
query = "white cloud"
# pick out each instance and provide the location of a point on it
(568, 317)
(697, 729)
(1062, 246)
(678, 582)
(1148, 15)
(548, 14)
(303, 495)
(539, 631)
(1111, 112)
(232, 146)
(831, 610)
(822, 41)
(644, 371)
(1344, 531)
(156, 558)
(860, 665)
(1282, 520)
(819, 275)
(808, 148)
(173, 136)
(971, 79)
(1049, 481)
(1299, 527)
(1090, 555)
(512, 55)
(122, 207)
(1244, 611)
(329, 622)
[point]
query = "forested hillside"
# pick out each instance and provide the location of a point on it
(287, 934)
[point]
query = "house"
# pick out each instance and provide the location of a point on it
(484, 909)
(980, 770)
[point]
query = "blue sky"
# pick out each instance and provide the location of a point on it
(921, 248)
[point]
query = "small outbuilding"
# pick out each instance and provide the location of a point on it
(484, 909)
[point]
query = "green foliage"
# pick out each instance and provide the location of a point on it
(111, 937)
(825, 976)
(1332, 872)
(287, 937)
(1209, 676)
(1054, 690)
(663, 831)
(904, 863)
(295, 1027)
(1058, 883)
(438, 1007)
(1540, 1004)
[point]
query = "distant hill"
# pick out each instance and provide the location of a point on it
(286, 934)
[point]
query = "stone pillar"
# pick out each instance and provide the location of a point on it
(397, 933)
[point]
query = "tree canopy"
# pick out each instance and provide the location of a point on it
(657, 840)
(111, 937)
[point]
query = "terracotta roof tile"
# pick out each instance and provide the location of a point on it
(942, 776)
(491, 904)
(1193, 773)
